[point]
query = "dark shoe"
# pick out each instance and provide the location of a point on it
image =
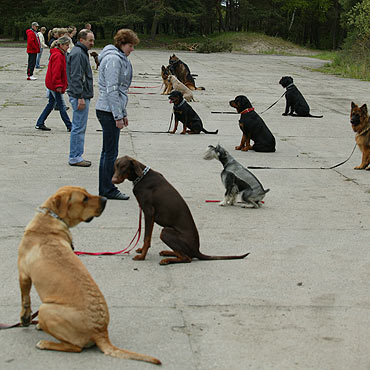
(42, 128)
(81, 164)
(119, 196)
(69, 128)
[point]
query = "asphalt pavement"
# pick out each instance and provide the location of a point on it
(300, 300)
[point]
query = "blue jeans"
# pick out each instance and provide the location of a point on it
(38, 59)
(55, 98)
(79, 123)
(109, 153)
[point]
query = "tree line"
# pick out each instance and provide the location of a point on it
(324, 24)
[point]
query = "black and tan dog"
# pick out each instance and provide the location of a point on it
(165, 73)
(296, 104)
(162, 204)
(361, 125)
(253, 128)
(95, 55)
(182, 72)
(184, 113)
(73, 308)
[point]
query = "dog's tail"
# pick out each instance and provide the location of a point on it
(200, 88)
(104, 344)
(310, 115)
(205, 257)
(266, 190)
(210, 132)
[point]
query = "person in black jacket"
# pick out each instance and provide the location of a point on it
(80, 91)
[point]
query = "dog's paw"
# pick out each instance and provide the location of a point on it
(139, 257)
(41, 344)
(245, 149)
(26, 319)
(238, 147)
(139, 250)
(223, 203)
(359, 168)
(284, 114)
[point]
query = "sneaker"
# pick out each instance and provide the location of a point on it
(119, 196)
(81, 164)
(28, 78)
(32, 78)
(42, 128)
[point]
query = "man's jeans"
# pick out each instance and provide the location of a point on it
(109, 153)
(79, 123)
(55, 98)
(38, 59)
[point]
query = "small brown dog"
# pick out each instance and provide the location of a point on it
(95, 56)
(73, 309)
(361, 125)
(165, 73)
(162, 204)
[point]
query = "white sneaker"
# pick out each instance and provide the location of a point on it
(32, 78)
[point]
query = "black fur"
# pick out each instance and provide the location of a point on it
(253, 126)
(296, 104)
(185, 114)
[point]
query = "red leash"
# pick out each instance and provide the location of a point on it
(126, 250)
(145, 87)
(6, 326)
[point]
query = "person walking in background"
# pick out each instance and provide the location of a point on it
(115, 76)
(52, 36)
(56, 82)
(80, 91)
(33, 48)
(42, 46)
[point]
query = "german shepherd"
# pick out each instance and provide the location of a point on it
(182, 72)
(165, 73)
(95, 55)
(361, 125)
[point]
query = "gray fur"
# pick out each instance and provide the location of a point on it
(236, 179)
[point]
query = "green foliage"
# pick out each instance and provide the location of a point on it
(359, 19)
(211, 46)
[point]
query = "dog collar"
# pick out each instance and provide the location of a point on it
(290, 85)
(146, 170)
(364, 131)
(247, 110)
(47, 211)
(179, 105)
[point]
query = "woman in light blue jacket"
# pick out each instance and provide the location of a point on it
(115, 76)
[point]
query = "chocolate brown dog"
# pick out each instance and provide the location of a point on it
(95, 55)
(192, 124)
(162, 204)
(253, 127)
(361, 125)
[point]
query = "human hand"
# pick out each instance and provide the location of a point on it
(81, 104)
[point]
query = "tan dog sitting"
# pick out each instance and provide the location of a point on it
(179, 86)
(73, 309)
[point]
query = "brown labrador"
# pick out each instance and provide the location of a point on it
(73, 309)
(162, 204)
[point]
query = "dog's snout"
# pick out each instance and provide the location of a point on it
(103, 202)
(355, 120)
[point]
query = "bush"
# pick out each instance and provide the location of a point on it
(209, 46)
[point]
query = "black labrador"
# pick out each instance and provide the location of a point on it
(295, 102)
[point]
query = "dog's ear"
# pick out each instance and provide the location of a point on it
(136, 168)
(353, 105)
(364, 109)
(60, 204)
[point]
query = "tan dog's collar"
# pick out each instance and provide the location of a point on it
(47, 211)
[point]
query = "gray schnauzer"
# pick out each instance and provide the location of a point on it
(236, 178)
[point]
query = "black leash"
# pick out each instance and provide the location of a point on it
(273, 104)
(10, 326)
(169, 127)
(303, 168)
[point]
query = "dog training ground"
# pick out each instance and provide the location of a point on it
(300, 300)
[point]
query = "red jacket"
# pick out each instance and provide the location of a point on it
(56, 76)
(33, 44)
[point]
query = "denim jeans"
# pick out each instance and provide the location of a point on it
(55, 98)
(38, 59)
(79, 123)
(109, 153)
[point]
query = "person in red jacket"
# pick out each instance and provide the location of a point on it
(56, 82)
(33, 48)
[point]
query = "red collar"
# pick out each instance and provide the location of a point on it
(247, 110)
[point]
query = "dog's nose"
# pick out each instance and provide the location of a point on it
(103, 202)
